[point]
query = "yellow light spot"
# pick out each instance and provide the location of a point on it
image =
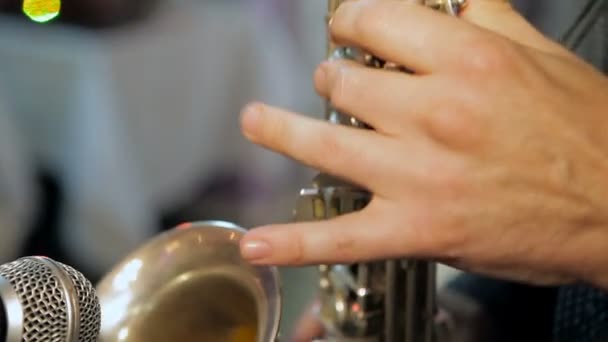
(41, 11)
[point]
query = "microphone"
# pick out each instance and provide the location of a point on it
(44, 300)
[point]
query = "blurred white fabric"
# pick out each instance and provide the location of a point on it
(16, 189)
(132, 118)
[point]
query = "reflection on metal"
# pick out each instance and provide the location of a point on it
(190, 284)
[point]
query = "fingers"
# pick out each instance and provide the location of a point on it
(425, 40)
(395, 100)
(309, 326)
(421, 39)
(359, 236)
(341, 151)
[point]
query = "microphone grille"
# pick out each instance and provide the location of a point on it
(90, 309)
(43, 300)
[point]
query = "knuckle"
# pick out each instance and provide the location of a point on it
(344, 243)
(340, 92)
(333, 150)
(456, 125)
(372, 21)
(297, 253)
(274, 129)
(345, 90)
(486, 55)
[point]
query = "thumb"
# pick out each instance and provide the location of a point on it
(309, 325)
(502, 18)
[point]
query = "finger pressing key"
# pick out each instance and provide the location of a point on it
(338, 150)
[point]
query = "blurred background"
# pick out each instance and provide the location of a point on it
(119, 119)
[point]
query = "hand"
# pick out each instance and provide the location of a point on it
(491, 157)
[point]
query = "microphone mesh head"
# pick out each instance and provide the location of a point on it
(45, 308)
(90, 310)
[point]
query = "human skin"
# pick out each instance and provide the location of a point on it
(491, 157)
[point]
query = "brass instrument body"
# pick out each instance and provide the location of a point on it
(191, 283)
(381, 301)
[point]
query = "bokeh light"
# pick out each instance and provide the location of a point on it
(42, 11)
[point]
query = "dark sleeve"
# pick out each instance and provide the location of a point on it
(516, 312)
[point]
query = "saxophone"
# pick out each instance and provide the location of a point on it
(191, 284)
(380, 301)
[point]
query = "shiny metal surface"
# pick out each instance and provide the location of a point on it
(87, 304)
(70, 299)
(190, 284)
(381, 301)
(452, 7)
(47, 301)
(14, 311)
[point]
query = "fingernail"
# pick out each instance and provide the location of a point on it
(255, 250)
(250, 119)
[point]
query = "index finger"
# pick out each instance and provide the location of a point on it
(419, 38)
